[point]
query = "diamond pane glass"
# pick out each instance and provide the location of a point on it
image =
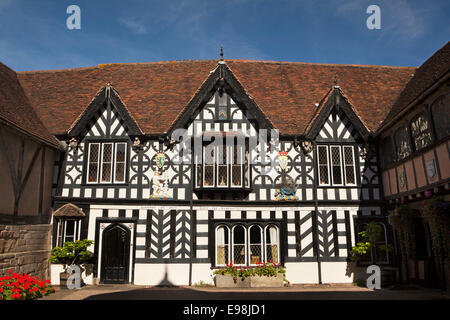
(323, 158)
(222, 245)
(348, 165)
(236, 175)
(120, 172)
(106, 172)
(323, 172)
(255, 245)
(209, 176)
(239, 251)
(272, 244)
(222, 176)
(336, 164)
(106, 162)
(107, 152)
(93, 162)
(120, 152)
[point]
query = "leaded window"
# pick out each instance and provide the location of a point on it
(272, 244)
(93, 161)
(239, 245)
(255, 245)
(336, 168)
(441, 110)
(340, 162)
(402, 144)
(249, 244)
(222, 245)
(107, 162)
(349, 165)
(421, 131)
(223, 166)
(322, 155)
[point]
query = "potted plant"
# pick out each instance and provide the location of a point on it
(73, 254)
(365, 249)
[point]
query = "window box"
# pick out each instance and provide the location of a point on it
(227, 281)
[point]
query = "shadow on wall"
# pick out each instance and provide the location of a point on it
(165, 281)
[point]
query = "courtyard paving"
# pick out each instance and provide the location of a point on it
(296, 292)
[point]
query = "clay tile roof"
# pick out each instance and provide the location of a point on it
(69, 210)
(16, 110)
(156, 93)
(425, 76)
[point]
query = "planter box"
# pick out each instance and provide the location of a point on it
(226, 281)
(266, 282)
(57, 269)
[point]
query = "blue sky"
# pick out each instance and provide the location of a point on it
(34, 36)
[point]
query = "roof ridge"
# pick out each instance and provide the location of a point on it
(103, 65)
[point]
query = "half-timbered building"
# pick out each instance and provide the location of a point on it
(414, 145)
(27, 156)
(295, 182)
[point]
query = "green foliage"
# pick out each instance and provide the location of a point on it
(437, 213)
(72, 253)
(268, 269)
(369, 237)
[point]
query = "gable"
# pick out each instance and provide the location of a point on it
(221, 80)
(336, 120)
(338, 128)
(106, 116)
(209, 118)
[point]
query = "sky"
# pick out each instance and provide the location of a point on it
(34, 34)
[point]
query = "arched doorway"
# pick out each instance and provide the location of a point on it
(115, 254)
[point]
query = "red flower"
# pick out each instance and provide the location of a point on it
(9, 271)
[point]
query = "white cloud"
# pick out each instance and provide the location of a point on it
(134, 25)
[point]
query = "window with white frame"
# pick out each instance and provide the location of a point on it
(106, 162)
(68, 230)
(247, 244)
(336, 165)
(223, 166)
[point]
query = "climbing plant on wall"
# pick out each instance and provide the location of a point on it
(403, 220)
(437, 214)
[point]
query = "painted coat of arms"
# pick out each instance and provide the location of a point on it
(160, 159)
(431, 168)
(283, 160)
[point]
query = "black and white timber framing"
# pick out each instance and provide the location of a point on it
(175, 238)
